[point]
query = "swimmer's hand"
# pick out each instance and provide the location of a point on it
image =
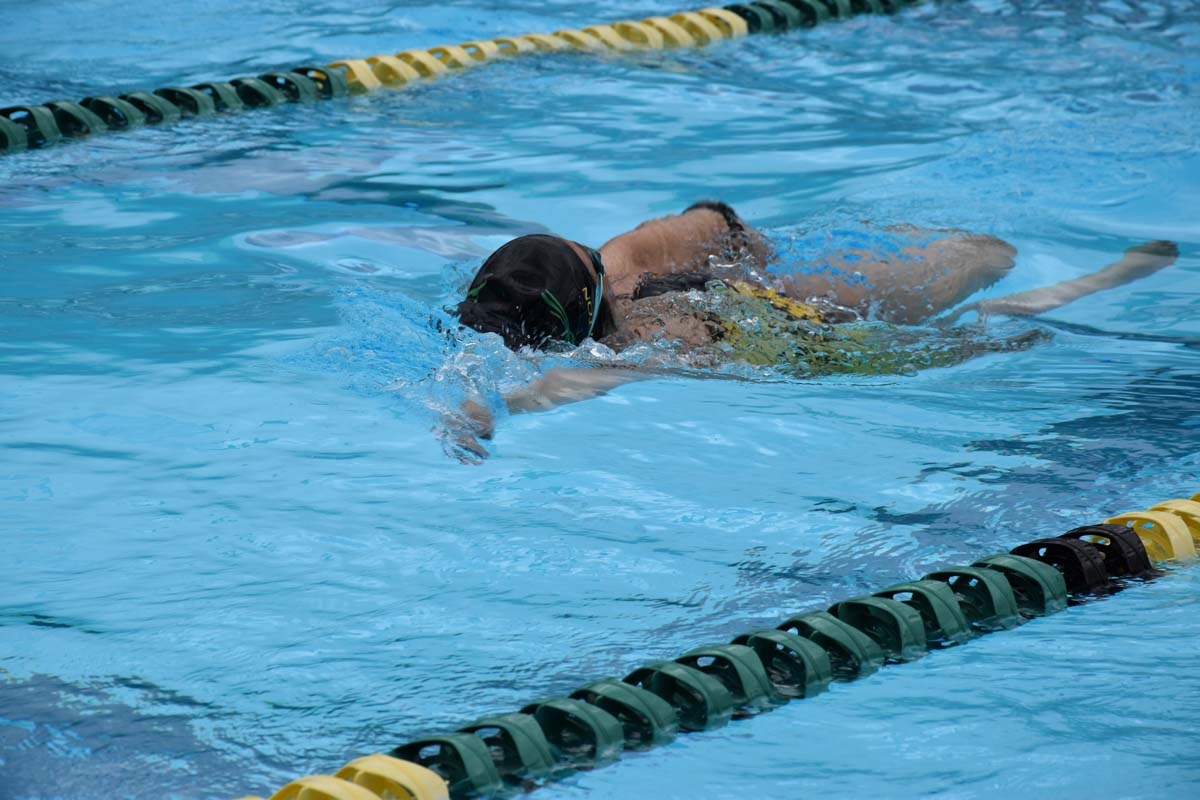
(462, 431)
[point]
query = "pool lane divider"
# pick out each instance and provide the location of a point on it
(32, 126)
(763, 669)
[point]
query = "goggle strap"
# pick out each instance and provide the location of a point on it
(599, 298)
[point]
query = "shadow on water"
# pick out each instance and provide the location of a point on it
(1145, 444)
(1188, 342)
(18, 615)
(382, 188)
(62, 739)
(1153, 429)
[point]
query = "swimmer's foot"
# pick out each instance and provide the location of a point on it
(1142, 260)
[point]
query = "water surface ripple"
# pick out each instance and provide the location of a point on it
(236, 552)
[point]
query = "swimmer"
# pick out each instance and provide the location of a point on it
(700, 280)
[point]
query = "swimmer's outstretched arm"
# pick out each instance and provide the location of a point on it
(568, 385)
(1138, 262)
(463, 431)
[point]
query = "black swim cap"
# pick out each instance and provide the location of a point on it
(535, 289)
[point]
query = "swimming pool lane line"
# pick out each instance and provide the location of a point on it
(763, 669)
(33, 126)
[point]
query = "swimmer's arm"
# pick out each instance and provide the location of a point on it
(559, 387)
(463, 433)
(1138, 262)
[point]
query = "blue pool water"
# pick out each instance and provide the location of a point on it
(236, 552)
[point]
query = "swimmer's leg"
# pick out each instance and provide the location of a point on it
(1138, 262)
(919, 279)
